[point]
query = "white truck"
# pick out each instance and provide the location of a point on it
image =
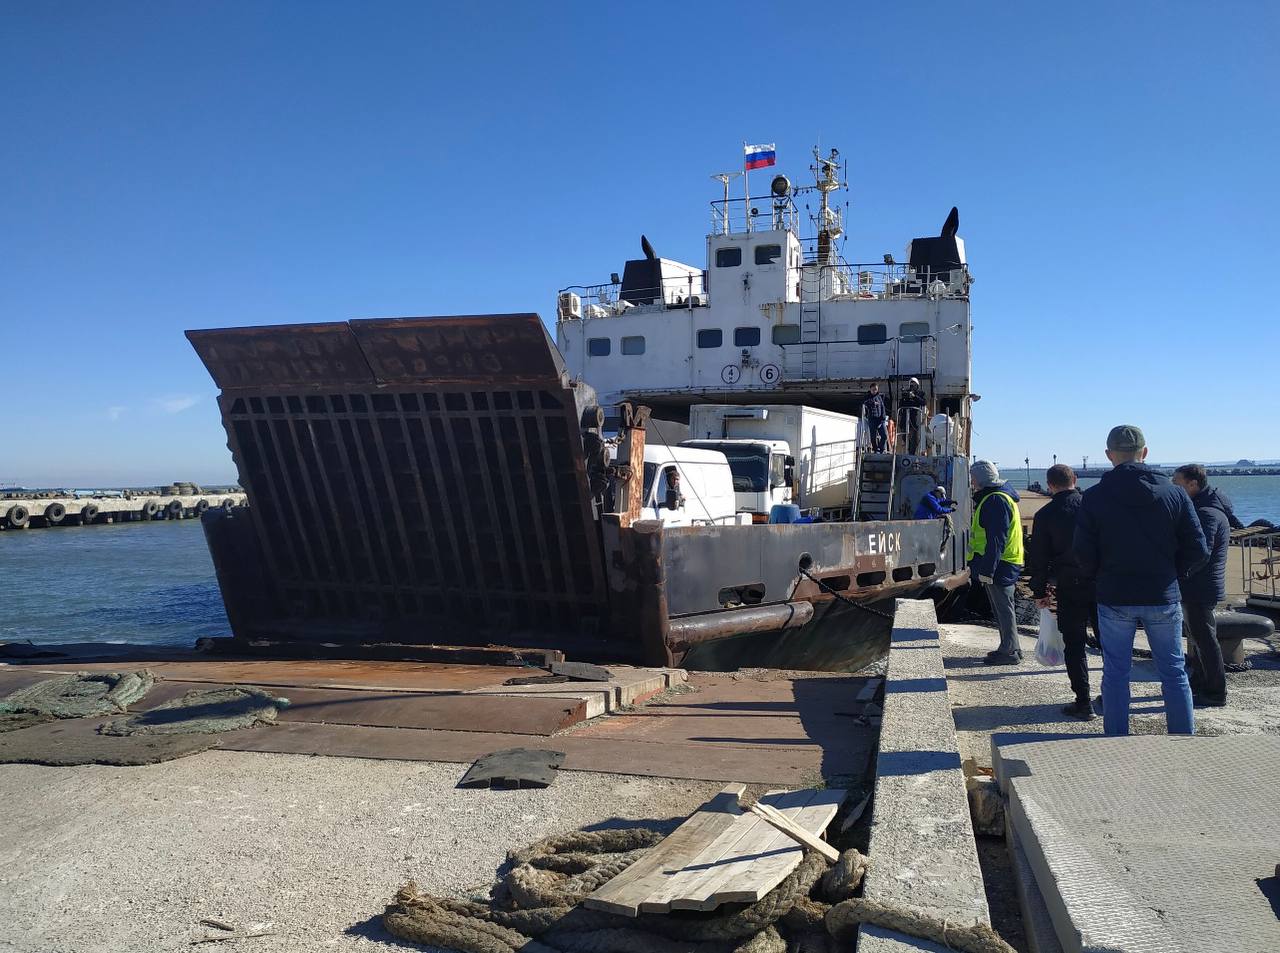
(684, 486)
(780, 453)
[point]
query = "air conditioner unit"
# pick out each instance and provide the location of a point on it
(568, 306)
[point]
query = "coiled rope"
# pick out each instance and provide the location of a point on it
(536, 908)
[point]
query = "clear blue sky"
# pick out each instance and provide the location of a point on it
(166, 166)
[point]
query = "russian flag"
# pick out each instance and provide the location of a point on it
(761, 156)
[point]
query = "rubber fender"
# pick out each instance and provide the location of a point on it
(174, 509)
(1242, 625)
(55, 512)
(88, 512)
(149, 509)
(18, 516)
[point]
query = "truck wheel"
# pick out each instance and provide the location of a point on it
(54, 513)
(17, 516)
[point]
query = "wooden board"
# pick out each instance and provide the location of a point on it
(741, 859)
(624, 892)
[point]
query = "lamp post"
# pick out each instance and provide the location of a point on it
(1027, 461)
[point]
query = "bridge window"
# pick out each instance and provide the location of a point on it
(710, 337)
(633, 345)
(786, 334)
(746, 337)
(872, 334)
(768, 254)
(598, 347)
(728, 257)
(912, 331)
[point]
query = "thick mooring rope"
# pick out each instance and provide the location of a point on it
(79, 696)
(535, 909)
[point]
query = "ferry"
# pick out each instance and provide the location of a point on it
(466, 481)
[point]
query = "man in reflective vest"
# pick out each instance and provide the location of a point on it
(995, 553)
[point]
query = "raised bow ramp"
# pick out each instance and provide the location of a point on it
(412, 480)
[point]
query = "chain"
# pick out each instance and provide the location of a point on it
(843, 598)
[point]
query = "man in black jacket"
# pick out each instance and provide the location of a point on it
(1056, 577)
(1137, 535)
(877, 418)
(1203, 590)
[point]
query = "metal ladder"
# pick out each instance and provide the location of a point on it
(810, 325)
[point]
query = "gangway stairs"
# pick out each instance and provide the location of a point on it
(875, 486)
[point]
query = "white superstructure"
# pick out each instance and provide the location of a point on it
(776, 317)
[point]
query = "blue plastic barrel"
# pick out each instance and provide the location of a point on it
(784, 513)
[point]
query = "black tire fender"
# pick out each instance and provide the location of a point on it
(173, 510)
(149, 509)
(18, 516)
(54, 513)
(88, 513)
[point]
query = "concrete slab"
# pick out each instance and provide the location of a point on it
(922, 847)
(1177, 848)
(1041, 937)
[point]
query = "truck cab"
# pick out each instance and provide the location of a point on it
(685, 486)
(762, 470)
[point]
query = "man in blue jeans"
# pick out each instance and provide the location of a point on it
(1138, 534)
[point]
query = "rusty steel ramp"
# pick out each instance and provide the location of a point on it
(414, 480)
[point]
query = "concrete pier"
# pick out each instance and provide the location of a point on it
(38, 512)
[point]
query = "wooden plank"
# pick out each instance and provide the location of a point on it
(764, 856)
(772, 870)
(691, 887)
(797, 833)
(624, 893)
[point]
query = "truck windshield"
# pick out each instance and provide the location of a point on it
(750, 468)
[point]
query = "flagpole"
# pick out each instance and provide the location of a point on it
(746, 184)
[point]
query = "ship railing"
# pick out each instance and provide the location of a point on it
(912, 356)
(605, 300)
(759, 214)
(881, 281)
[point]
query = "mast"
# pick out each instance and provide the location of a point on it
(827, 173)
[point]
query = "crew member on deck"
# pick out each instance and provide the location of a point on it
(934, 505)
(911, 408)
(877, 418)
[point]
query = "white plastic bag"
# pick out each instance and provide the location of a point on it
(1049, 645)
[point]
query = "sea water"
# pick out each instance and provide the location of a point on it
(1252, 497)
(154, 583)
(148, 583)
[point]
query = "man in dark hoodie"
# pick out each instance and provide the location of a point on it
(1137, 535)
(1053, 565)
(995, 553)
(1203, 590)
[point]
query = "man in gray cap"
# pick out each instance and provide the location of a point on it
(995, 553)
(1138, 534)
